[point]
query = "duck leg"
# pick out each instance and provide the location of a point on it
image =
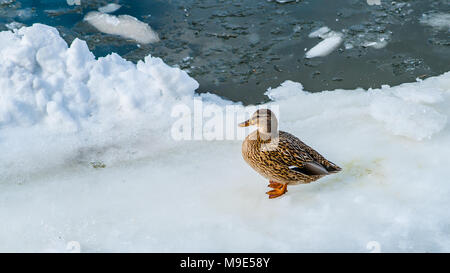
(275, 185)
(278, 189)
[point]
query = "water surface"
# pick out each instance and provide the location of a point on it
(238, 49)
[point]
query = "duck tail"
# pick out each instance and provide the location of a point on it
(333, 168)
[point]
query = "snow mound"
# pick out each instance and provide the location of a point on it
(44, 80)
(88, 160)
(48, 87)
(123, 25)
(403, 110)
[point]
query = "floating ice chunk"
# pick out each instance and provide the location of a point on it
(109, 8)
(74, 2)
(325, 47)
(321, 32)
(14, 25)
(5, 2)
(436, 20)
(378, 44)
(374, 2)
(348, 46)
(123, 25)
(332, 40)
(283, 1)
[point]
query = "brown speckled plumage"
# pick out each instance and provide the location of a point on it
(288, 152)
(281, 157)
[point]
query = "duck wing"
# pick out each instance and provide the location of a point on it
(301, 158)
(309, 168)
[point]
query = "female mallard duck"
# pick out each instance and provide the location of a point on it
(281, 157)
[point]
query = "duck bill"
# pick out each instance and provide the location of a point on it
(245, 123)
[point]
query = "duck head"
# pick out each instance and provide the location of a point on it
(265, 120)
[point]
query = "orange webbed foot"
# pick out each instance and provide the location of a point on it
(278, 189)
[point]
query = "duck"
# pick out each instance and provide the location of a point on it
(281, 157)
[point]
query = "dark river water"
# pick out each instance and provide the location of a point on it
(238, 49)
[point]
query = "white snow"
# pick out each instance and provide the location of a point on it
(61, 109)
(437, 20)
(109, 8)
(47, 84)
(123, 25)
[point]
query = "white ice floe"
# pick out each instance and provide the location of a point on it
(109, 8)
(73, 2)
(123, 25)
(283, 1)
(286, 1)
(380, 43)
(374, 2)
(63, 111)
(332, 40)
(320, 33)
(437, 20)
(14, 25)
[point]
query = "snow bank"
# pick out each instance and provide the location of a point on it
(123, 25)
(48, 87)
(403, 110)
(378, 44)
(61, 109)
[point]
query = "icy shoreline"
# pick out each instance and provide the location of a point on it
(60, 108)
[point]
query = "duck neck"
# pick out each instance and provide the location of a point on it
(267, 135)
